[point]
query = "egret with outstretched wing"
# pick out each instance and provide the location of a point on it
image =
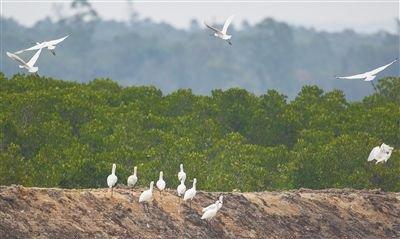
(222, 33)
(27, 65)
(51, 45)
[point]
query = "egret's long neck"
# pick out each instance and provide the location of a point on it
(151, 187)
(134, 171)
(161, 177)
(113, 170)
(194, 185)
(181, 168)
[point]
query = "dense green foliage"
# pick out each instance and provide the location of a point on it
(67, 134)
(190, 58)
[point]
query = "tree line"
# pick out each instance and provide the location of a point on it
(58, 133)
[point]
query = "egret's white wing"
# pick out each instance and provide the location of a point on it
(16, 58)
(374, 153)
(227, 23)
(379, 69)
(354, 77)
(55, 42)
(34, 58)
(370, 78)
(36, 47)
(212, 28)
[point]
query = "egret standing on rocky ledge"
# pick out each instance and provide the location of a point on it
(133, 178)
(112, 179)
(147, 196)
(189, 194)
(161, 183)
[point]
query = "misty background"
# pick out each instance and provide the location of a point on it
(275, 46)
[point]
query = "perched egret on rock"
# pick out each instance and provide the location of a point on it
(181, 174)
(160, 183)
(217, 203)
(27, 65)
(222, 33)
(147, 196)
(51, 45)
(212, 211)
(133, 178)
(189, 194)
(380, 153)
(181, 189)
(367, 76)
(112, 179)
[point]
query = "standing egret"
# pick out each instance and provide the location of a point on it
(222, 33)
(212, 211)
(181, 174)
(216, 204)
(189, 194)
(133, 178)
(160, 183)
(27, 65)
(112, 179)
(181, 189)
(51, 45)
(147, 196)
(367, 76)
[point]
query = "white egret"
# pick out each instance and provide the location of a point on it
(380, 153)
(147, 196)
(181, 189)
(112, 178)
(27, 65)
(181, 174)
(133, 178)
(191, 193)
(217, 203)
(222, 33)
(51, 45)
(367, 76)
(160, 183)
(212, 211)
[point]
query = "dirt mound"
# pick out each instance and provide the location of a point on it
(91, 213)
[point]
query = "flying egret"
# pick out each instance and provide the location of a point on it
(133, 178)
(181, 189)
(27, 65)
(181, 174)
(160, 183)
(51, 45)
(367, 76)
(112, 179)
(189, 194)
(380, 153)
(147, 196)
(222, 33)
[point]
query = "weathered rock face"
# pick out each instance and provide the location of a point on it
(91, 213)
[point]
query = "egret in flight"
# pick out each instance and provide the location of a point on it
(222, 33)
(51, 45)
(367, 76)
(27, 65)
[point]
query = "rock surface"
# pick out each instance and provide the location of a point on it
(303, 213)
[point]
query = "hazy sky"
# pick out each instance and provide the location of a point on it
(362, 16)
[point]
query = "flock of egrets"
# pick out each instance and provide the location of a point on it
(380, 153)
(146, 196)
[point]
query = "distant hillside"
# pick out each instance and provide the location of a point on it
(268, 55)
(90, 213)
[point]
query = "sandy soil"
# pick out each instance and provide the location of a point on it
(91, 213)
